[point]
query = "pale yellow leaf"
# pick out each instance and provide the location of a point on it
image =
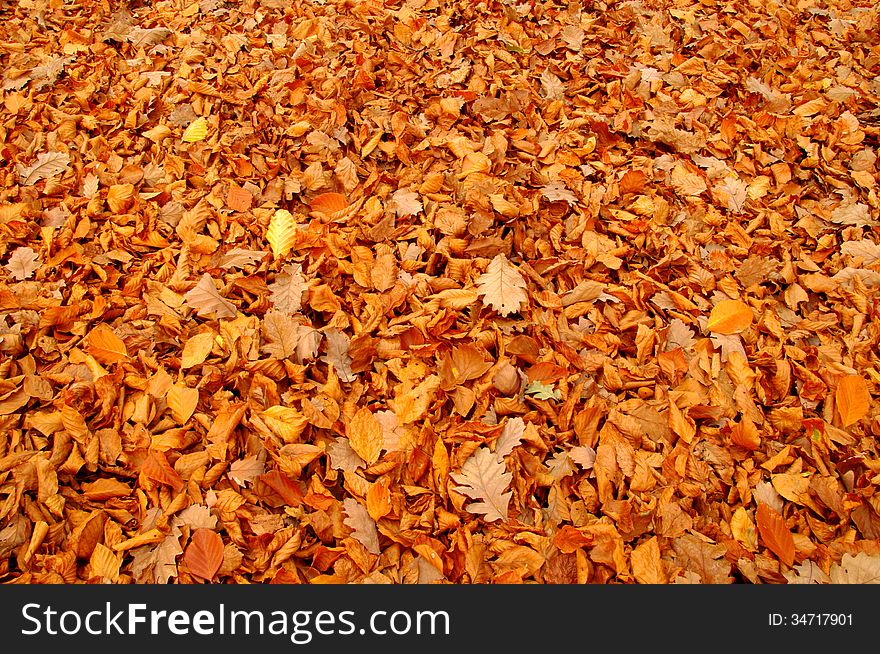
(281, 233)
(197, 130)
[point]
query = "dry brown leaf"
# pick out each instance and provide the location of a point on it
(207, 301)
(182, 402)
(502, 286)
(646, 563)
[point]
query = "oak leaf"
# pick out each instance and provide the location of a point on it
(362, 525)
(282, 334)
(542, 391)
(343, 457)
(23, 263)
(406, 202)
(484, 477)
(502, 286)
(287, 289)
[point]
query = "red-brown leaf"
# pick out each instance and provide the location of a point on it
(204, 554)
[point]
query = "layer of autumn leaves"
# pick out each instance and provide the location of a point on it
(413, 292)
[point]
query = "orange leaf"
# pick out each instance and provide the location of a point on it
(775, 534)
(204, 554)
(106, 346)
(238, 199)
(155, 467)
(329, 203)
(730, 317)
(365, 435)
(545, 372)
(633, 181)
(745, 434)
(568, 539)
(681, 423)
(379, 500)
(852, 399)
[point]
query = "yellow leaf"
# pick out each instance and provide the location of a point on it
(281, 233)
(197, 130)
(730, 317)
(365, 435)
(852, 399)
(106, 346)
(197, 349)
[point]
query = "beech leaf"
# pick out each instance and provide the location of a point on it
(204, 554)
(774, 534)
(207, 301)
(47, 164)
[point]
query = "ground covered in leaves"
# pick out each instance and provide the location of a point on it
(396, 292)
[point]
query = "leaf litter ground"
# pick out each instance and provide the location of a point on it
(337, 292)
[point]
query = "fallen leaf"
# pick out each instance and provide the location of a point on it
(106, 346)
(362, 525)
(207, 301)
(47, 164)
(774, 534)
(281, 233)
(852, 399)
(483, 477)
(204, 554)
(197, 130)
(730, 317)
(23, 263)
(365, 435)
